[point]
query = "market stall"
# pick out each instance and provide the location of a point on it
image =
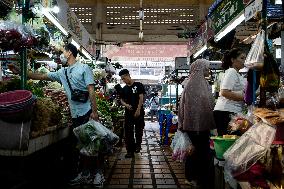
(238, 24)
(252, 132)
(37, 117)
(41, 36)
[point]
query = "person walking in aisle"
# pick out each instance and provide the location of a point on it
(76, 76)
(132, 98)
(231, 96)
(195, 117)
(154, 106)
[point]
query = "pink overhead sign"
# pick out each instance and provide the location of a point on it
(146, 52)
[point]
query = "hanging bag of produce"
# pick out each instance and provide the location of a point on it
(270, 75)
(181, 146)
(94, 138)
(255, 57)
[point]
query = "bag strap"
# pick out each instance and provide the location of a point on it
(68, 80)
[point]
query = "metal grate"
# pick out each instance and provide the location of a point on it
(84, 14)
(128, 15)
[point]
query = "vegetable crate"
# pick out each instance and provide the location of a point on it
(167, 128)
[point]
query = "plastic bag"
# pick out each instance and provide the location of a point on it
(93, 137)
(255, 56)
(249, 148)
(181, 146)
(270, 75)
(240, 123)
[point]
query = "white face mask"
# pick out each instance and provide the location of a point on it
(63, 59)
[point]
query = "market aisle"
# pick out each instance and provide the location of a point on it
(151, 168)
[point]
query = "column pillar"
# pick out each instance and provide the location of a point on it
(97, 25)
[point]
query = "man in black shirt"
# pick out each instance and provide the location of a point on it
(132, 98)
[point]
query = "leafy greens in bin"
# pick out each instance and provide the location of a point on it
(95, 138)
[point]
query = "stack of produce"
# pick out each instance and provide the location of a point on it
(46, 114)
(14, 36)
(59, 97)
(15, 84)
(109, 113)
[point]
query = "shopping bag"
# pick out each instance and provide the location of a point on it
(181, 146)
(249, 148)
(94, 138)
(255, 56)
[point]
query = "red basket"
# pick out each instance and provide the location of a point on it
(14, 97)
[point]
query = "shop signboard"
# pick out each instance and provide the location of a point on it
(69, 20)
(162, 53)
(252, 9)
(226, 11)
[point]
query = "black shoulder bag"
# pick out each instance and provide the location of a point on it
(76, 94)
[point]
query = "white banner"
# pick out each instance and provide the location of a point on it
(252, 9)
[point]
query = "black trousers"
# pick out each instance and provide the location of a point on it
(222, 119)
(72, 160)
(197, 165)
(133, 125)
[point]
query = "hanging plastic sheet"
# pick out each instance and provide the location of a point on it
(249, 148)
(255, 56)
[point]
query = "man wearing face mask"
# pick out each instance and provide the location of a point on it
(75, 76)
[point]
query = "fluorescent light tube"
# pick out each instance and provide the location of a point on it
(47, 14)
(73, 42)
(87, 54)
(229, 28)
(200, 51)
(55, 9)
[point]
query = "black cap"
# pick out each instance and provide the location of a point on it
(123, 72)
(72, 48)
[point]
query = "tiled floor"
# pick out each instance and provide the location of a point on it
(151, 168)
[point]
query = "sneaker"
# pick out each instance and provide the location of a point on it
(192, 184)
(99, 180)
(81, 180)
(129, 155)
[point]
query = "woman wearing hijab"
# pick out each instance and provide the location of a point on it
(196, 119)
